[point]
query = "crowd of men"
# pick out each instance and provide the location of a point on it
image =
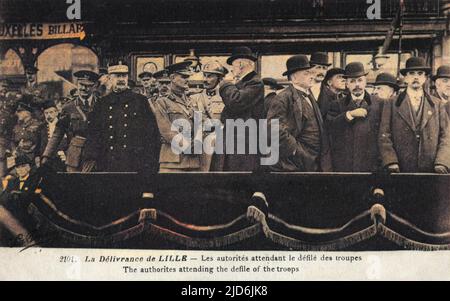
(328, 120)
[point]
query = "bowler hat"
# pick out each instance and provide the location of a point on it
(145, 74)
(297, 63)
(21, 160)
(386, 79)
(241, 53)
(355, 69)
(86, 77)
(415, 64)
(332, 72)
(215, 67)
(180, 68)
(272, 83)
(22, 106)
(319, 58)
(48, 104)
(442, 72)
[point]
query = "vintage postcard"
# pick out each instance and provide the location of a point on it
(225, 140)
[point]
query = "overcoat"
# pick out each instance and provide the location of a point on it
(243, 100)
(416, 148)
(287, 107)
(354, 146)
(122, 134)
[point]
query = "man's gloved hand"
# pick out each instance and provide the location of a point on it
(393, 168)
(440, 169)
(358, 113)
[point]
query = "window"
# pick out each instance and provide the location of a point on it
(11, 64)
(148, 63)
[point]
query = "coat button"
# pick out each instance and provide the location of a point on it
(111, 137)
(110, 108)
(111, 147)
(125, 125)
(125, 115)
(110, 117)
(110, 126)
(126, 106)
(124, 136)
(124, 146)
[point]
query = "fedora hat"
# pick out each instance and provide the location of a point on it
(386, 79)
(272, 83)
(442, 72)
(296, 63)
(355, 69)
(241, 53)
(332, 72)
(415, 64)
(319, 58)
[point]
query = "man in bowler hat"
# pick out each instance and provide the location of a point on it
(332, 88)
(304, 144)
(385, 86)
(320, 64)
(442, 85)
(415, 130)
(353, 123)
(243, 99)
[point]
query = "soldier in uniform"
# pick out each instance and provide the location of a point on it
(38, 92)
(123, 134)
(209, 101)
(148, 84)
(73, 122)
(7, 121)
(176, 105)
(162, 84)
(26, 138)
(320, 64)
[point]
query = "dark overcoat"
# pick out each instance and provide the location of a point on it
(354, 146)
(415, 148)
(123, 135)
(288, 109)
(243, 100)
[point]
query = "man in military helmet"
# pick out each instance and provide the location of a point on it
(209, 100)
(123, 134)
(73, 122)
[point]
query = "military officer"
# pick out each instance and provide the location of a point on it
(73, 122)
(123, 134)
(176, 105)
(148, 84)
(7, 121)
(162, 83)
(320, 64)
(209, 100)
(39, 92)
(26, 138)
